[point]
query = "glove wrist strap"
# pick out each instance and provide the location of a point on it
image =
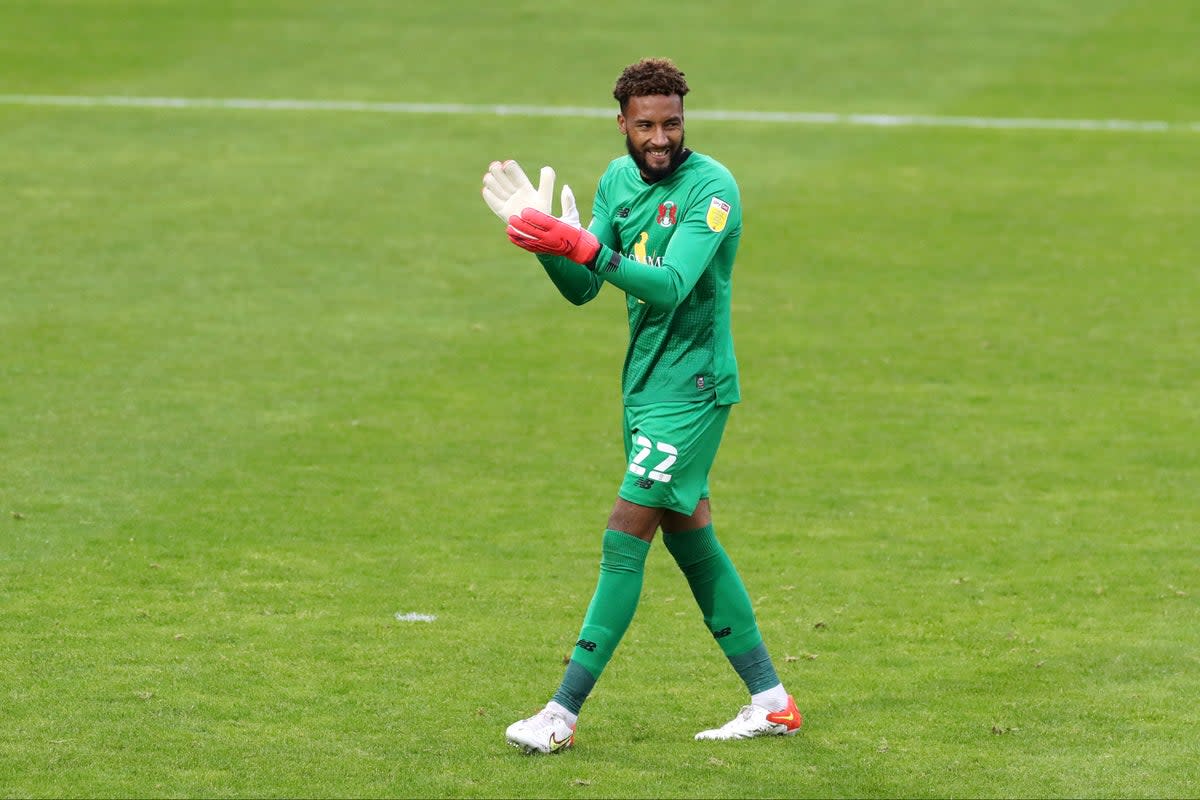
(602, 264)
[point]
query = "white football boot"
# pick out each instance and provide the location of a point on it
(544, 732)
(754, 721)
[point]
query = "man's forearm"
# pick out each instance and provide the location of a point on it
(574, 281)
(662, 287)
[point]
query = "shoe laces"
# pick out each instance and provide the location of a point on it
(742, 716)
(547, 717)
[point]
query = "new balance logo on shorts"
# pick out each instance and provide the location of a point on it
(645, 483)
(721, 634)
(586, 645)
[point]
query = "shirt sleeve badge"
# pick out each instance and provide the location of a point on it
(718, 215)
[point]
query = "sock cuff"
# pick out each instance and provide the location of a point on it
(688, 547)
(623, 551)
(576, 685)
(755, 668)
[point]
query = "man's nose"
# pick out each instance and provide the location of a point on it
(660, 136)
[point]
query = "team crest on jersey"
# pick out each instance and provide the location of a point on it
(718, 215)
(666, 214)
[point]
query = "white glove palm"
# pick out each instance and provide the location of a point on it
(507, 190)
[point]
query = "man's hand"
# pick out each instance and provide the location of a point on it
(507, 190)
(542, 233)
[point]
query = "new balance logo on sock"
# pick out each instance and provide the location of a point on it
(586, 645)
(721, 634)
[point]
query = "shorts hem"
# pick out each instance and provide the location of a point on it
(676, 508)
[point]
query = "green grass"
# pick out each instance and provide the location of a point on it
(269, 378)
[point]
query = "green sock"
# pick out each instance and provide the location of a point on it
(725, 604)
(622, 566)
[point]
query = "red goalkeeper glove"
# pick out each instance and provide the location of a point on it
(542, 233)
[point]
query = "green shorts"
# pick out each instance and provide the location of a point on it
(669, 449)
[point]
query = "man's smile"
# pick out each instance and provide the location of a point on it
(658, 155)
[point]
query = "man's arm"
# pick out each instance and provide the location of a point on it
(696, 239)
(704, 226)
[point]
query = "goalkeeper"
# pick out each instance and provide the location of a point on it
(665, 228)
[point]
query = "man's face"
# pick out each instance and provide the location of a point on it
(653, 128)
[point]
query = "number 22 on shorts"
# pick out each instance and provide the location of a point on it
(659, 473)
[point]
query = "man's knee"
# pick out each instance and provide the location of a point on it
(674, 522)
(639, 521)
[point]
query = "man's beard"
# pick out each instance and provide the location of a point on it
(654, 175)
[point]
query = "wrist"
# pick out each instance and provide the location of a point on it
(587, 250)
(590, 263)
(605, 259)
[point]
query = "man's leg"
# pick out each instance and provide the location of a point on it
(729, 615)
(626, 542)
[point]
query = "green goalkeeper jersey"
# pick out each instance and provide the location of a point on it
(670, 246)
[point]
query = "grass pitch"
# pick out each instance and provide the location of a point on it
(271, 378)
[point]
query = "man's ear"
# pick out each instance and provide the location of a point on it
(621, 124)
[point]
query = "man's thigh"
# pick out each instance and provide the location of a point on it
(669, 450)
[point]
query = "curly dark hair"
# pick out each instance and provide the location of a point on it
(648, 77)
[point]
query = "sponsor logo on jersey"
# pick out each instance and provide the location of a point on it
(718, 215)
(666, 214)
(623, 213)
(699, 381)
(639, 252)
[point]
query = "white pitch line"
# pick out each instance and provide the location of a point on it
(472, 109)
